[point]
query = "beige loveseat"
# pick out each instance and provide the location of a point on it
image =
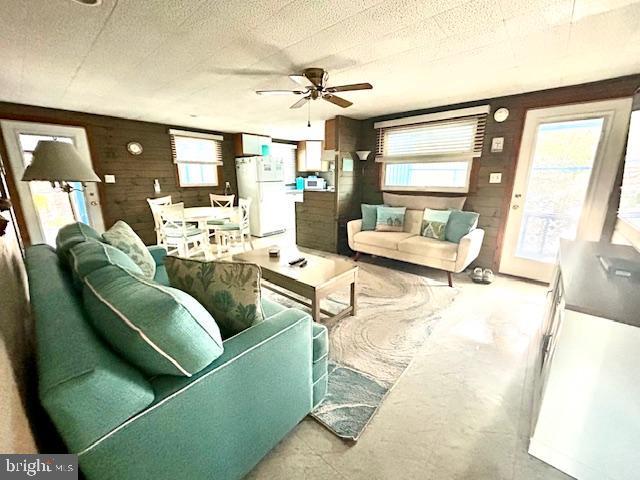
(409, 245)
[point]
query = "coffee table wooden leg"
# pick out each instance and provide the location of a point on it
(354, 300)
(315, 308)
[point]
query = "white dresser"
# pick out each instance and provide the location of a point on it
(586, 408)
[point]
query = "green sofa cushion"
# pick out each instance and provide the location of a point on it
(71, 235)
(86, 389)
(460, 224)
(87, 257)
(122, 236)
(160, 329)
(271, 308)
(230, 291)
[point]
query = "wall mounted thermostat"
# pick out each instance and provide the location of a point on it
(109, 179)
(497, 144)
(495, 177)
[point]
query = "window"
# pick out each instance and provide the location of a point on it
(629, 209)
(431, 152)
(197, 157)
(287, 153)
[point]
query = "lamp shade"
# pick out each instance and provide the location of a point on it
(363, 154)
(58, 162)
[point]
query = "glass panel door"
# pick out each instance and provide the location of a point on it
(52, 205)
(565, 171)
(563, 159)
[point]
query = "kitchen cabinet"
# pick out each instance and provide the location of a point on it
(248, 145)
(585, 400)
(309, 154)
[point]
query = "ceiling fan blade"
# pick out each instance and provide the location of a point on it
(341, 102)
(301, 80)
(280, 92)
(300, 102)
(347, 88)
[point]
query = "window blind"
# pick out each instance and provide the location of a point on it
(195, 147)
(441, 140)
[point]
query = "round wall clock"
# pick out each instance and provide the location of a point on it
(134, 148)
(501, 114)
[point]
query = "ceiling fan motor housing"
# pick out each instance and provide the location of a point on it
(317, 76)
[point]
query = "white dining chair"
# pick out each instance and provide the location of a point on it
(156, 204)
(232, 232)
(179, 236)
(219, 201)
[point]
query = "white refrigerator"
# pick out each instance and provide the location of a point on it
(262, 180)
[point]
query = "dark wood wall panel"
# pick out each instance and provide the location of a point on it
(108, 138)
(492, 200)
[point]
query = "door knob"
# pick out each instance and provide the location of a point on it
(93, 203)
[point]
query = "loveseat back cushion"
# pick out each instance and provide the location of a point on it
(159, 329)
(420, 202)
(87, 257)
(71, 235)
(413, 221)
(86, 388)
(122, 236)
(230, 291)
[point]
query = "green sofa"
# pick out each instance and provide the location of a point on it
(124, 424)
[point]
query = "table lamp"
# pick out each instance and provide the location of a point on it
(59, 163)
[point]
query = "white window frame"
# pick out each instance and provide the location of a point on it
(467, 157)
(11, 131)
(214, 164)
(435, 189)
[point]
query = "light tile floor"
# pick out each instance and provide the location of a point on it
(460, 411)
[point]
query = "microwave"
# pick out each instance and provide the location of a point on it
(315, 183)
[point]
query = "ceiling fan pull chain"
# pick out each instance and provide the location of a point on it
(309, 115)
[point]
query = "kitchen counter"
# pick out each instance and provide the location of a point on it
(590, 290)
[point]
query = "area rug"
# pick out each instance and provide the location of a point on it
(398, 306)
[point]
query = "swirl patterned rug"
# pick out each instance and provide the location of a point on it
(369, 352)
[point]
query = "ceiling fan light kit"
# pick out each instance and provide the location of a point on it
(314, 80)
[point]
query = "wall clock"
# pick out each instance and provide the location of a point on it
(501, 114)
(134, 148)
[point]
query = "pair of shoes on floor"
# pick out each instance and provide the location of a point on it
(482, 276)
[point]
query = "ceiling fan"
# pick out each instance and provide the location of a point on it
(314, 81)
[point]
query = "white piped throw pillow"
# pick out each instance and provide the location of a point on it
(122, 236)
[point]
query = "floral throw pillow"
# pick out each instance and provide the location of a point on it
(434, 223)
(229, 291)
(390, 219)
(122, 236)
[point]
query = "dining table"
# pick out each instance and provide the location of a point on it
(202, 215)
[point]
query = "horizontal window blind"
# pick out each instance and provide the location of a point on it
(195, 147)
(432, 141)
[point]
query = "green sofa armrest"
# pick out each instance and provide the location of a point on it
(227, 417)
(158, 252)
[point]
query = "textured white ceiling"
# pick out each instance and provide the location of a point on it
(197, 62)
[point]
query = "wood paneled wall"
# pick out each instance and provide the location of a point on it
(108, 138)
(492, 200)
